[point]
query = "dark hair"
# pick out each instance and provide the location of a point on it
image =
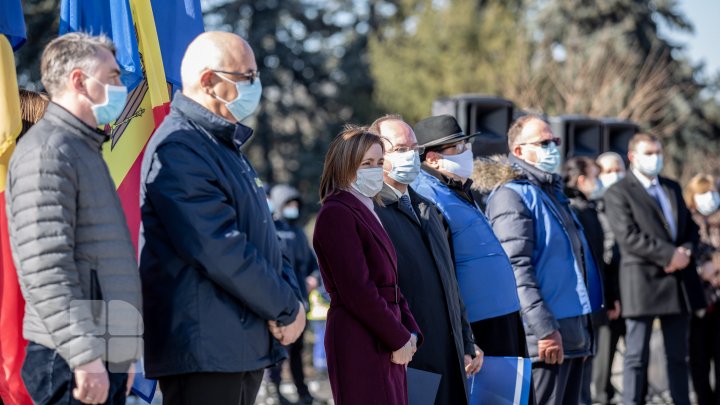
(344, 157)
(576, 167)
(642, 137)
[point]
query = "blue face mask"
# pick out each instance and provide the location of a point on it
(405, 166)
(548, 158)
(115, 98)
(291, 213)
(247, 100)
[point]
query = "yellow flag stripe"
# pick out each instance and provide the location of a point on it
(10, 121)
(137, 127)
(150, 51)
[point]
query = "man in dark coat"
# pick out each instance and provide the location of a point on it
(656, 235)
(425, 267)
(217, 294)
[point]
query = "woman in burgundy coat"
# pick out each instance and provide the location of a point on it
(371, 334)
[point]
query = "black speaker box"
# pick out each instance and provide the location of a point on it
(491, 116)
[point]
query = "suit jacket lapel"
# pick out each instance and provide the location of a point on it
(641, 193)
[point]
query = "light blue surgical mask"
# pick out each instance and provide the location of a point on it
(291, 213)
(405, 166)
(548, 158)
(649, 165)
(110, 110)
(369, 181)
(598, 191)
(247, 100)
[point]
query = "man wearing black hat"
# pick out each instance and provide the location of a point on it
(484, 273)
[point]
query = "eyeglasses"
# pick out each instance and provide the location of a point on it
(546, 143)
(248, 76)
(459, 147)
(402, 149)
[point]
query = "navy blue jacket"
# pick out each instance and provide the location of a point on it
(211, 266)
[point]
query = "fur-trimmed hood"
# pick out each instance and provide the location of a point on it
(493, 171)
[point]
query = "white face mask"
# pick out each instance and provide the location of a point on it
(460, 165)
(707, 203)
(608, 179)
(369, 181)
(649, 165)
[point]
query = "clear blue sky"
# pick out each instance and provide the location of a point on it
(704, 44)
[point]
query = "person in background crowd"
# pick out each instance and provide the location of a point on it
(287, 204)
(219, 300)
(584, 188)
(612, 169)
(657, 236)
(702, 198)
(425, 266)
(484, 273)
(371, 335)
(71, 246)
(557, 279)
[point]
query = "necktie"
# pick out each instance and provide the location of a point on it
(655, 191)
(405, 201)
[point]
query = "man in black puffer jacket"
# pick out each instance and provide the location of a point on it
(219, 298)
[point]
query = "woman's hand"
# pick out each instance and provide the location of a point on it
(404, 354)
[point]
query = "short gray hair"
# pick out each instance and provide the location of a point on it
(610, 156)
(76, 50)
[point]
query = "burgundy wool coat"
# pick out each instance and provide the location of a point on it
(369, 317)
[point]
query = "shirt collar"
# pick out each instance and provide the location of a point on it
(397, 192)
(646, 183)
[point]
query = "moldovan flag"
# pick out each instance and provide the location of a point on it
(12, 305)
(150, 39)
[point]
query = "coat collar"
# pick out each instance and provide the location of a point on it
(218, 127)
(59, 115)
(366, 217)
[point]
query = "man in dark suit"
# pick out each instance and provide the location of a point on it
(656, 235)
(425, 267)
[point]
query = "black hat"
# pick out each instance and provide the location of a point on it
(439, 130)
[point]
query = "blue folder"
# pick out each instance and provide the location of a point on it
(422, 386)
(142, 387)
(501, 381)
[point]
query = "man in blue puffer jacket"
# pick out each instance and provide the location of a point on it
(557, 279)
(484, 273)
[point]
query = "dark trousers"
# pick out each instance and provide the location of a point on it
(295, 352)
(608, 338)
(501, 336)
(50, 381)
(211, 388)
(558, 384)
(637, 356)
(704, 351)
